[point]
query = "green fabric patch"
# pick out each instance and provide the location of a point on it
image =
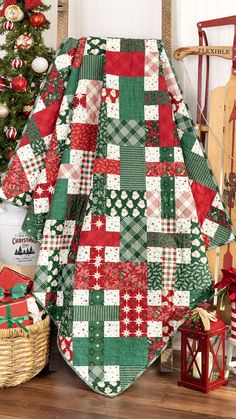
(169, 240)
(156, 98)
(128, 374)
(126, 203)
(95, 46)
(154, 276)
(73, 81)
(96, 343)
(92, 67)
(102, 139)
(187, 142)
(96, 313)
(166, 154)
(133, 242)
(198, 252)
(167, 197)
(98, 204)
(96, 297)
(59, 205)
(122, 351)
(41, 283)
(67, 276)
(131, 98)
(194, 277)
(132, 168)
(184, 123)
(80, 351)
(130, 133)
(198, 170)
(67, 45)
(132, 45)
(35, 138)
(221, 236)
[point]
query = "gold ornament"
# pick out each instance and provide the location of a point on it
(4, 111)
(13, 13)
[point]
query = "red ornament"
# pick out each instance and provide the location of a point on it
(28, 108)
(29, 4)
(4, 84)
(19, 84)
(11, 133)
(202, 356)
(37, 20)
(8, 25)
(17, 63)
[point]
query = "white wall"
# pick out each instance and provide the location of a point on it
(142, 19)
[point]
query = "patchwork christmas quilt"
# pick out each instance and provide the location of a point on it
(122, 199)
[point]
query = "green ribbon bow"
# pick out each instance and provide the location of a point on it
(18, 291)
(13, 320)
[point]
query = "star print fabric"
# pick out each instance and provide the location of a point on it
(120, 194)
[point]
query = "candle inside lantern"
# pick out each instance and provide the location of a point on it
(198, 362)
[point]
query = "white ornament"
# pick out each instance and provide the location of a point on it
(39, 65)
(4, 111)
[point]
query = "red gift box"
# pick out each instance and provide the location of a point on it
(15, 313)
(9, 278)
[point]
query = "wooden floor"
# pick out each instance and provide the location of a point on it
(62, 394)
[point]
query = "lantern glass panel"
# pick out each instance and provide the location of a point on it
(216, 362)
(193, 358)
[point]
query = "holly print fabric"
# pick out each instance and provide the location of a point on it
(122, 199)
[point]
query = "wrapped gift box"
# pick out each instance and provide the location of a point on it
(23, 311)
(9, 278)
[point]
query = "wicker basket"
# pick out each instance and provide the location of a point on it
(23, 355)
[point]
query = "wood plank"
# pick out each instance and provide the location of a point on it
(214, 152)
(154, 395)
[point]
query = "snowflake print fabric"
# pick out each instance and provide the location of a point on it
(122, 199)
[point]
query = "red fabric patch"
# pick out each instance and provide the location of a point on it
(126, 64)
(78, 58)
(166, 168)
(52, 163)
(24, 141)
(203, 198)
(133, 313)
(16, 181)
(106, 166)
(96, 238)
(84, 137)
(46, 119)
(80, 100)
(110, 95)
(166, 126)
(162, 83)
(66, 347)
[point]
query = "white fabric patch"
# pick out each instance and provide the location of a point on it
(111, 297)
(154, 329)
(81, 298)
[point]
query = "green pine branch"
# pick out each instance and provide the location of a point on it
(16, 101)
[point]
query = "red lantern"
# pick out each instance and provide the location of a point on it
(8, 25)
(202, 356)
(19, 84)
(37, 20)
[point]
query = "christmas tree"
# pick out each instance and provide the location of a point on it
(22, 68)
